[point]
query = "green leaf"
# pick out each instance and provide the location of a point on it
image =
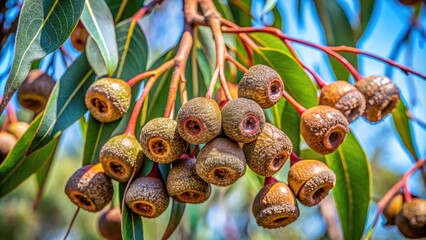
(132, 227)
(269, 5)
(133, 51)
(402, 125)
(366, 9)
(175, 218)
(352, 192)
(310, 154)
(98, 21)
(94, 57)
(17, 167)
(241, 11)
(66, 104)
(270, 41)
(291, 126)
(338, 31)
(124, 9)
(43, 27)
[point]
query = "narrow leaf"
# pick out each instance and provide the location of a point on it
(352, 192)
(175, 218)
(366, 9)
(132, 227)
(43, 27)
(97, 19)
(402, 125)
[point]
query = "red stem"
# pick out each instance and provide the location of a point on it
(145, 10)
(236, 63)
(294, 158)
(407, 194)
(140, 77)
(282, 36)
(269, 180)
(299, 108)
(155, 171)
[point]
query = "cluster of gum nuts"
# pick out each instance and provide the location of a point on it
(235, 135)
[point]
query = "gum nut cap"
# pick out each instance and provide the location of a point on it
(18, 128)
(411, 220)
(242, 120)
(120, 156)
(381, 96)
(147, 197)
(90, 188)
(392, 208)
(108, 99)
(261, 84)
(7, 142)
(324, 128)
(184, 185)
(311, 180)
(269, 152)
(161, 141)
(344, 97)
(199, 120)
(275, 206)
(34, 92)
(109, 224)
(221, 162)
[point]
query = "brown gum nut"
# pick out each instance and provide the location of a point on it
(261, 84)
(411, 220)
(147, 196)
(120, 156)
(79, 37)
(160, 140)
(311, 180)
(90, 188)
(18, 128)
(344, 97)
(275, 206)
(34, 92)
(7, 142)
(199, 120)
(242, 120)
(109, 224)
(221, 162)
(324, 128)
(184, 185)
(108, 99)
(269, 152)
(392, 208)
(381, 96)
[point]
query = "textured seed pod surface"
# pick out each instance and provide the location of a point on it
(199, 120)
(18, 128)
(147, 196)
(90, 188)
(35, 90)
(344, 97)
(184, 185)
(221, 162)
(108, 99)
(109, 224)
(7, 142)
(324, 128)
(120, 156)
(161, 141)
(381, 96)
(411, 220)
(275, 206)
(269, 152)
(311, 180)
(261, 84)
(242, 120)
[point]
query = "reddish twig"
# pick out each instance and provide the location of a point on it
(299, 108)
(294, 158)
(236, 63)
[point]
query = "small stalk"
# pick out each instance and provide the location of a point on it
(294, 158)
(269, 180)
(299, 108)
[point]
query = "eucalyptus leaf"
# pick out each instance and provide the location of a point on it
(402, 125)
(175, 218)
(132, 227)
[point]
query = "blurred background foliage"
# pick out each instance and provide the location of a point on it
(227, 214)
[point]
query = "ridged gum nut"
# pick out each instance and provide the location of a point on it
(18, 128)
(344, 97)
(147, 196)
(220, 97)
(109, 224)
(275, 206)
(120, 156)
(35, 90)
(90, 188)
(261, 84)
(324, 128)
(7, 142)
(108, 99)
(221, 162)
(79, 37)
(160, 140)
(184, 185)
(311, 180)
(392, 208)
(269, 152)
(381, 96)
(199, 120)
(411, 220)
(242, 120)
